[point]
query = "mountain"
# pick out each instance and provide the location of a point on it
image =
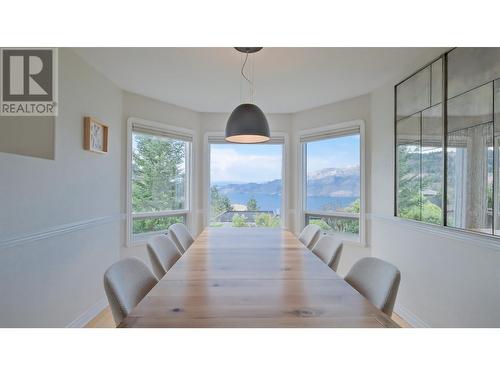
(270, 188)
(334, 182)
(328, 182)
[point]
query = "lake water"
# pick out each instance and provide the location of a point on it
(273, 202)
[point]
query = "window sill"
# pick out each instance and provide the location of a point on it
(142, 239)
(348, 239)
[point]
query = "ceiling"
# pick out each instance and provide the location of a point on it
(287, 80)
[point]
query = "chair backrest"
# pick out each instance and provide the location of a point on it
(377, 280)
(163, 254)
(328, 249)
(181, 236)
(310, 235)
(172, 238)
(126, 283)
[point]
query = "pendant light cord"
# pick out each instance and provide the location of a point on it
(244, 76)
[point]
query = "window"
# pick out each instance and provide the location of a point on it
(447, 167)
(159, 179)
(332, 180)
(245, 188)
(419, 146)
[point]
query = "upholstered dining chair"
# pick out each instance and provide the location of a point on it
(328, 249)
(377, 280)
(163, 253)
(181, 236)
(310, 235)
(126, 282)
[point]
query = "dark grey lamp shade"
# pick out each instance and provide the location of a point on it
(247, 124)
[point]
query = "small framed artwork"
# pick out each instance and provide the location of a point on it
(95, 136)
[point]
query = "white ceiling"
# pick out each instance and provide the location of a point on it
(287, 80)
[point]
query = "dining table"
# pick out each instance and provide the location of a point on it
(253, 277)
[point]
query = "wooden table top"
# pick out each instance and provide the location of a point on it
(251, 277)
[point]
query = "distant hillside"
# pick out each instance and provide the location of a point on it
(334, 182)
(270, 187)
(328, 182)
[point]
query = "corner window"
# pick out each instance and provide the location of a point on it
(332, 182)
(159, 183)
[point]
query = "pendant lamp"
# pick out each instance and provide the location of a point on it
(247, 123)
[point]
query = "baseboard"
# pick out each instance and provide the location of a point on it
(88, 315)
(410, 318)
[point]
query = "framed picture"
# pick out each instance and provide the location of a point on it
(95, 136)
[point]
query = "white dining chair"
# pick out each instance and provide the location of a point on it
(377, 280)
(163, 253)
(328, 249)
(171, 237)
(310, 235)
(181, 236)
(126, 282)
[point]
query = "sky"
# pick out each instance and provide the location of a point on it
(339, 152)
(262, 162)
(245, 163)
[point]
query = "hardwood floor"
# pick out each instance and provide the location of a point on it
(401, 322)
(105, 320)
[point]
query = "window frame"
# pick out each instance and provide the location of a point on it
(169, 131)
(444, 227)
(218, 138)
(443, 104)
(328, 132)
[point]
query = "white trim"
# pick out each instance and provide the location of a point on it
(471, 238)
(158, 126)
(59, 230)
(147, 215)
(190, 180)
(332, 129)
(82, 320)
(284, 174)
(341, 214)
(341, 126)
(409, 317)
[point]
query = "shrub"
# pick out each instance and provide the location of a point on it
(267, 220)
(239, 221)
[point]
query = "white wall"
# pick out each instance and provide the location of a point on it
(352, 109)
(448, 279)
(60, 219)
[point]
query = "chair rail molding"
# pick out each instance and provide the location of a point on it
(59, 230)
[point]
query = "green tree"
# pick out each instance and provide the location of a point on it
(409, 195)
(321, 223)
(239, 221)
(219, 203)
(412, 204)
(155, 224)
(431, 213)
(158, 180)
(252, 205)
(337, 224)
(354, 207)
